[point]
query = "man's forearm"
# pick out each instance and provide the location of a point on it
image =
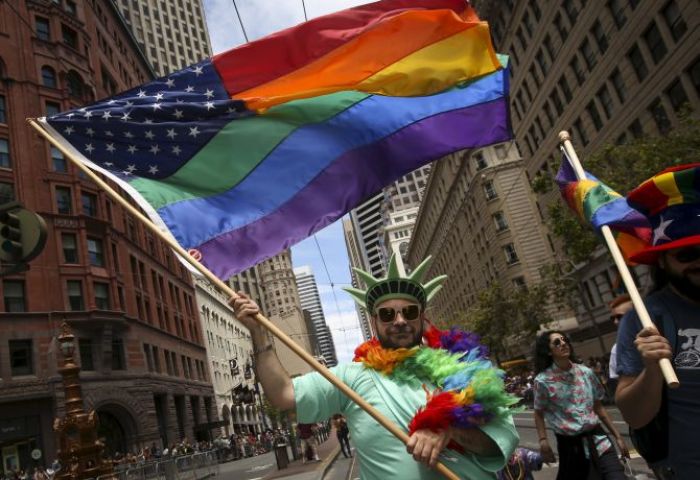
(275, 380)
(605, 418)
(475, 441)
(639, 398)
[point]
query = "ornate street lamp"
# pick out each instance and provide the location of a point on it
(80, 451)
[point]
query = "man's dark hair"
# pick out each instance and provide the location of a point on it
(543, 357)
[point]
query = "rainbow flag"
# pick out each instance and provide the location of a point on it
(596, 204)
(242, 155)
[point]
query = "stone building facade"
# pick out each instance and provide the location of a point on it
(479, 221)
(607, 72)
(126, 297)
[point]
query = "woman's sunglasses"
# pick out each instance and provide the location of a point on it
(388, 314)
(558, 342)
(686, 255)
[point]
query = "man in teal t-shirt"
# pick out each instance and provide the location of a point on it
(397, 304)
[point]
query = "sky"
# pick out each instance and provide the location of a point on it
(260, 18)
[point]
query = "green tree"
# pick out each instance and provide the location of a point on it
(505, 318)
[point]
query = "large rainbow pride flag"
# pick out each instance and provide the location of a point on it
(242, 155)
(596, 204)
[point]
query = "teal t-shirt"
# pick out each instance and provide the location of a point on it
(381, 454)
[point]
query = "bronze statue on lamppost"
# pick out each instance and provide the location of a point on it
(80, 451)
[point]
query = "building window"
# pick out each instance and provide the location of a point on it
(89, 202)
(600, 38)
(561, 28)
(511, 254)
(694, 73)
(605, 100)
(63, 200)
(58, 162)
(570, 10)
(582, 135)
(677, 96)
(21, 362)
(542, 62)
(500, 220)
(75, 84)
(102, 296)
(3, 110)
(638, 64)
(118, 360)
(674, 20)
(70, 7)
(577, 68)
(588, 54)
(70, 248)
(43, 30)
(86, 358)
(564, 85)
(658, 113)
(655, 42)
(618, 84)
(617, 10)
(70, 38)
(7, 192)
(556, 100)
(96, 252)
(5, 161)
(480, 161)
(636, 129)
(75, 295)
(595, 116)
(48, 77)
(519, 283)
(490, 190)
(15, 300)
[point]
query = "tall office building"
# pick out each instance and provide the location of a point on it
(229, 353)
(355, 257)
(172, 33)
(283, 308)
(479, 221)
(606, 74)
(311, 302)
(127, 299)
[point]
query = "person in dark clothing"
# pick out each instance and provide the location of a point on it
(343, 433)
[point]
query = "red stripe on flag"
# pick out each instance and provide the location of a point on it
(263, 60)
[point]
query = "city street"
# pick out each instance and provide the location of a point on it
(249, 468)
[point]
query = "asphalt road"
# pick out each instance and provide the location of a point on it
(248, 468)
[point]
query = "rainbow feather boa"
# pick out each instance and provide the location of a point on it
(470, 390)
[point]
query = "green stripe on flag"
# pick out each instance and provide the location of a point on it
(240, 147)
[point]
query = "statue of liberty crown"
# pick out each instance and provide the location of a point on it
(396, 286)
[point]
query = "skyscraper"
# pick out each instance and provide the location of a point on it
(173, 34)
(354, 255)
(311, 301)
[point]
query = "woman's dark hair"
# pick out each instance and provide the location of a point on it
(543, 357)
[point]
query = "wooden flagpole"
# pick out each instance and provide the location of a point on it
(271, 327)
(665, 364)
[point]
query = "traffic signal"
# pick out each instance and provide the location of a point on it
(11, 243)
(22, 234)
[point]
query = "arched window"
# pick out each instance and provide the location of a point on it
(48, 77)
(75, 84)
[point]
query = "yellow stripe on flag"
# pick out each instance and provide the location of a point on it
(666, 183)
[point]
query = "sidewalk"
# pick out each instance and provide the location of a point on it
(296, 470)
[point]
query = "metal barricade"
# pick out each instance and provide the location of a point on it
(198, 466)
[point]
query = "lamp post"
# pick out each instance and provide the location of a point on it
(80, 451)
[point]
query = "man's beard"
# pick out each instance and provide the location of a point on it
(683, 284)
(387, 342)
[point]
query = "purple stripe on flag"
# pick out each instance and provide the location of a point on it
(351, 179)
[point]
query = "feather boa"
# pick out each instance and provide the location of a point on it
(470, 390)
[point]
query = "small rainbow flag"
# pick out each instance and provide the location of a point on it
(242, 155)
(597, 204)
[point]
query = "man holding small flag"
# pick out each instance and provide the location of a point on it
(666, 421)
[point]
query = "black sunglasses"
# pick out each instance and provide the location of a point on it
(687, 255)
(388, 314)
(558, 342)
